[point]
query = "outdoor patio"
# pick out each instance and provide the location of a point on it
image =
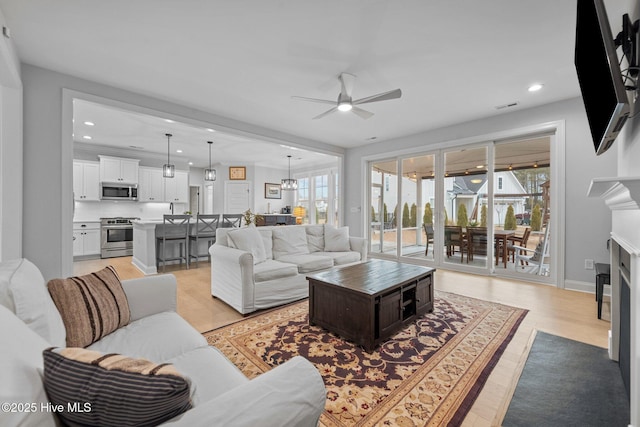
(414, 250)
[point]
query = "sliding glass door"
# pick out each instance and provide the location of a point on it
(465, 225)
(481, 208)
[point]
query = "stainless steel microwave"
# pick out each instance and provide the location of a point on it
(118, 191)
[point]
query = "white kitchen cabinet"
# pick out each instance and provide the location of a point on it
(86, 239)
(176, 189)
(150, 185)
(118, 170)
(86, 180)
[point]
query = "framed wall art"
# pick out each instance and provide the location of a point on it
(237, 172)
(272, 191)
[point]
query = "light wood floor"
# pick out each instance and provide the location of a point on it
(568, 314)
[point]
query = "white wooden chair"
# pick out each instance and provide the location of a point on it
(536, 260)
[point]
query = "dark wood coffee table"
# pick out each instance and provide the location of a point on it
(368, 302)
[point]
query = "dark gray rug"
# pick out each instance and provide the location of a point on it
(568, 383)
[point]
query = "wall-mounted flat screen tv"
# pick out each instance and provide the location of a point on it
(599, 75)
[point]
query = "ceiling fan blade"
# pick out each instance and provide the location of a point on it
(326, 113)
(321, 101)
(346, 83)
(392, 94)
(361, 113)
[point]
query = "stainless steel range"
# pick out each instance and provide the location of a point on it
(116, 237)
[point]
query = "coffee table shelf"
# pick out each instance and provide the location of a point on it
(368, 302)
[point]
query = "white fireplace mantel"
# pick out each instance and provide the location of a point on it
(622, 196)
(619, 193)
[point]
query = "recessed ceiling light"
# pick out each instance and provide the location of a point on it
(178, 151)
(211, 130)
(169, 121)
(479, 166)
(86, 137)
(89, 123)
(190, 163)
(535, 87)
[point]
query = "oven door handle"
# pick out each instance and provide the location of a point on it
(117, 227)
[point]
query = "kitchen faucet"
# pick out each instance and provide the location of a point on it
(171, 207)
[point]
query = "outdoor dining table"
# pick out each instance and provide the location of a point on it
(501, 237)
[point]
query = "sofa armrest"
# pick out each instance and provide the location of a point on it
(291, 394)
(232, 277)
(151, 295)
(359, 244)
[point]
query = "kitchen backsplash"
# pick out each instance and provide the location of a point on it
(93, 211)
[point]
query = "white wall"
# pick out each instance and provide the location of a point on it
(587, 220)
(48, 152)
(10, 151)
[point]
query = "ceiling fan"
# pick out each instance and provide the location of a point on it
(346, 103)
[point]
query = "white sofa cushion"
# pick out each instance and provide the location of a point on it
(315, 238)
(289, 240)
(308, 262)
(267, 240)
(248, 239)
(142, 339)
(24, 292)
(336, 239)
(224, 375)
(272, 270)
(340, 258)
(20, 364)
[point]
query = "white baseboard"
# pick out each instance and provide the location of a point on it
(589, 287)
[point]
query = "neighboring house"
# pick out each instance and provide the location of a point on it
(472, 192)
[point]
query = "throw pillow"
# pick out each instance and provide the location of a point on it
(248, 239)
(336, 239)
(315, 237)
(289, 240)
(91, 306)
(95, 389)
(23, 290)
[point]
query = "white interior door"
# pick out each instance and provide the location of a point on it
(237, 197)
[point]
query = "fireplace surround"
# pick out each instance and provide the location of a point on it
(622, 196)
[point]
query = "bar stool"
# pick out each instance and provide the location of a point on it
(231, 220)
(175, 229)
(204, 228)
(603, 277)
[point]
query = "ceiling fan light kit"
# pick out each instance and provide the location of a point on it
(345, 102)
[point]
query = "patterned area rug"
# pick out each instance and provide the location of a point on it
(429, 373)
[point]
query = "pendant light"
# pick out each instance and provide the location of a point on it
(210, 174)
(288, 183)
(168, 170)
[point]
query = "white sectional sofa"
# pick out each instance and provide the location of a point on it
(292, 394)
(253, 268)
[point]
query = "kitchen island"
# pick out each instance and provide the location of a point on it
(144, 245)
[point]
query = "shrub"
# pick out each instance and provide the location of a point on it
(406, 220)
(510, 219)
(414, 215)
(463, 220)
(427, 218)
(373, 214)
(536, 218)
(483, 216)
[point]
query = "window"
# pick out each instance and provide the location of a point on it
(500, 183)
(303, 198)
(318, 192)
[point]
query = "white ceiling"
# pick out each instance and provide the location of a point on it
(455, 61)
(143, 136)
